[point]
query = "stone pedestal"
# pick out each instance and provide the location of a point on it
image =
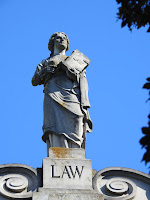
(66, 175)
(61, 194)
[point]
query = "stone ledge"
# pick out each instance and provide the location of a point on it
(64, 153)
(61, 194)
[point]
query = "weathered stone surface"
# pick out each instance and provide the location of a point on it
(122, 184)
(55, 152)
(17, 181)
(67, 173)
(49, 194)
(67, 169)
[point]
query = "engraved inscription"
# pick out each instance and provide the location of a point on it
(68, 171)
(53, 173)
(77, 170)
(79, 61)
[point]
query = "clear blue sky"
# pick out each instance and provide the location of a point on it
(118, 69)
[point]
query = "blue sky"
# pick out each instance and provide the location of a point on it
(118, 69)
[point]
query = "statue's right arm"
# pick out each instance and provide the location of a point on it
(36, 80)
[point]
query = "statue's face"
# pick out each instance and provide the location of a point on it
(60, 41)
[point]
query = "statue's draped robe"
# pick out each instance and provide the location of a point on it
(66, 107)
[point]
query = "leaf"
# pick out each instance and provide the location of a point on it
(146, 157)
(148, 79)
(118, 1)
(146, 130)
(143, 141)
(123, 23)
(146, 86)
(148, 30)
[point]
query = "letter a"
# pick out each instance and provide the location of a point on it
(66, 172)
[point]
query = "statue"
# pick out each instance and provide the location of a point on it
(66, 118)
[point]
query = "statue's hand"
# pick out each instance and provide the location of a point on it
(46, 70)
(51, 69)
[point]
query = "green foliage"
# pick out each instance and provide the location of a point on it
(145, 140)
(134, 13)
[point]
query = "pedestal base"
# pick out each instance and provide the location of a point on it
(67, 175)
(67, 169)
(61, 194)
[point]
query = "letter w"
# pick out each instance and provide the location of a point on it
(76, 171)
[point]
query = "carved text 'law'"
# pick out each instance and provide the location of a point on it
(67, 171)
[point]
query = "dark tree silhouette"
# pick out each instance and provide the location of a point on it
(134, 13)
(145, 140)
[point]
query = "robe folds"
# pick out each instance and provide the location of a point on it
(66, 107)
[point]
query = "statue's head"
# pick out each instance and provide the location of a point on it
(58, 37)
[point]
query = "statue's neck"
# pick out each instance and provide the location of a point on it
(59, 52)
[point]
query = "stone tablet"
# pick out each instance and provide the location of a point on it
(77, 60)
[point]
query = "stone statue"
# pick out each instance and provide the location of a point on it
(66, 117)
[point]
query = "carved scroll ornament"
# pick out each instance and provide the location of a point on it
(116, 183)
(17, 181)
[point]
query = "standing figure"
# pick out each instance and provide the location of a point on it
(66, 117)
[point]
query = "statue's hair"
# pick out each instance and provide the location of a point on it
(51, 42)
